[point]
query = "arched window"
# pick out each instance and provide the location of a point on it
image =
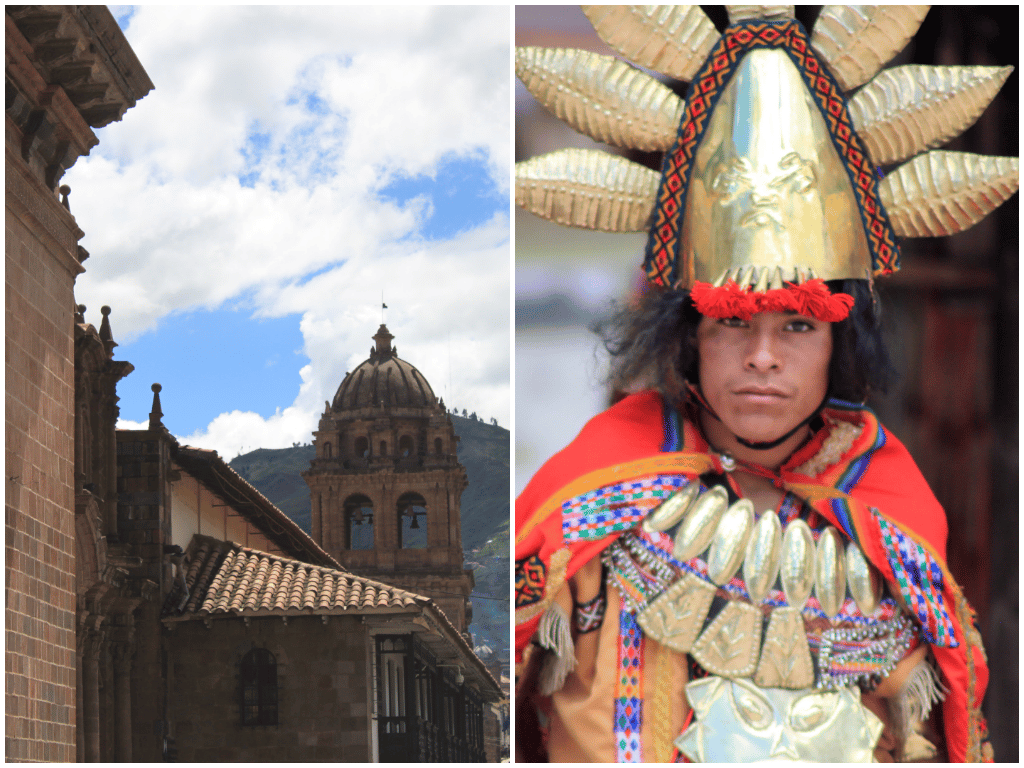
(259, 687)
(412, 521)
(437, 445)
(383, 448)
(405, 446)
(327, 450)
(362, 447)
(358, 522)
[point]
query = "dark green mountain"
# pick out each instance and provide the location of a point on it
(484, 452)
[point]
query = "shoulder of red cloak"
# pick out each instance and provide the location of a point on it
(630, 429)
(890, 481)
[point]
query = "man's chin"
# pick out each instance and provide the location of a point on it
(760, 433)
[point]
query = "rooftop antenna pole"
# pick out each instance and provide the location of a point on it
(449, 367)
(383, 306)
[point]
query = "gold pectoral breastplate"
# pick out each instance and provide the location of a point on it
(788, 619)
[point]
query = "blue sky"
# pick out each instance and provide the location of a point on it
(291, 164)
(461, 193)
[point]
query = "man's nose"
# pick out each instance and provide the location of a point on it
(763, 353)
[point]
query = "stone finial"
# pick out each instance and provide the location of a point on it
(65, 190)
(105, 334)
(155, 415)
(382, 339)
(80, 313)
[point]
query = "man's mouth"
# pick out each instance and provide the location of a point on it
(761, 391)
(762, 395)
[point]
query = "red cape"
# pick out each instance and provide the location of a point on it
(874, 493)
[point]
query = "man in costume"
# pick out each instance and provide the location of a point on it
(740, 563)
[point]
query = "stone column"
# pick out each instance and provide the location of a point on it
(122, 653)
(91, 695)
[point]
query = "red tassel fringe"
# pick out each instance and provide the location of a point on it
(810, 299)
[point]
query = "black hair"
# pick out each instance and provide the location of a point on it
(654, 344)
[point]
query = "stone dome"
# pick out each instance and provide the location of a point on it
(384, 381)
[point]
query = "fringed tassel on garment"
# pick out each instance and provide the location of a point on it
(810, 299)
(554, 634)
(912, 705)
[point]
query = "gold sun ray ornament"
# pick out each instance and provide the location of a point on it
(906, 110)
(587, 188)
(602, 97)
(760, 85)
(671, 39)
(856, 41)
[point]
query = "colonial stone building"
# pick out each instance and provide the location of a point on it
(385, 485)
(213, 628)
(68, 70)
(157, 605)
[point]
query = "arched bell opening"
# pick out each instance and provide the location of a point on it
(358, 522)
(412, 521)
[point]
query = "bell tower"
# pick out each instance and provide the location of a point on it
(386, 484)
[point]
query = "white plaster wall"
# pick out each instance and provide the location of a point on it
(184, 511)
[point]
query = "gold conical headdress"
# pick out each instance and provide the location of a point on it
(770, 174)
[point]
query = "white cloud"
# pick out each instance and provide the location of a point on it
(231, 434)
(342, 100)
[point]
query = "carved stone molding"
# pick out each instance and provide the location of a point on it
(82, 49)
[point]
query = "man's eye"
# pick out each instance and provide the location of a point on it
(733, 322)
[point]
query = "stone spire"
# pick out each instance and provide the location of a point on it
(155, 415)
(106, 336)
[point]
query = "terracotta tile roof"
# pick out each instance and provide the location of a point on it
(226, 578)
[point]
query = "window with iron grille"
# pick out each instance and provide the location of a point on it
(422, 713)
(259, 687)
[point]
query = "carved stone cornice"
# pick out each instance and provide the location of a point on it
(82, 50)
(54, 134)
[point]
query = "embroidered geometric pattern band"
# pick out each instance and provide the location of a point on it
(530, 573)
(588, 616)
(662, 255)
(618, 507)
(920, 580)
(628, 690)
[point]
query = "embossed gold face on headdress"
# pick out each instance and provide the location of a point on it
(770, 172)
(770, 194)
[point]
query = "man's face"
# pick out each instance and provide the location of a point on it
(766, 375)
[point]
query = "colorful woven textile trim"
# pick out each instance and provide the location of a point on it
(920, 580)
(530, 579)
(662, 256)
(589, 616)
(810, 299)
(853, 474)
(628, 690)
(618, 507)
